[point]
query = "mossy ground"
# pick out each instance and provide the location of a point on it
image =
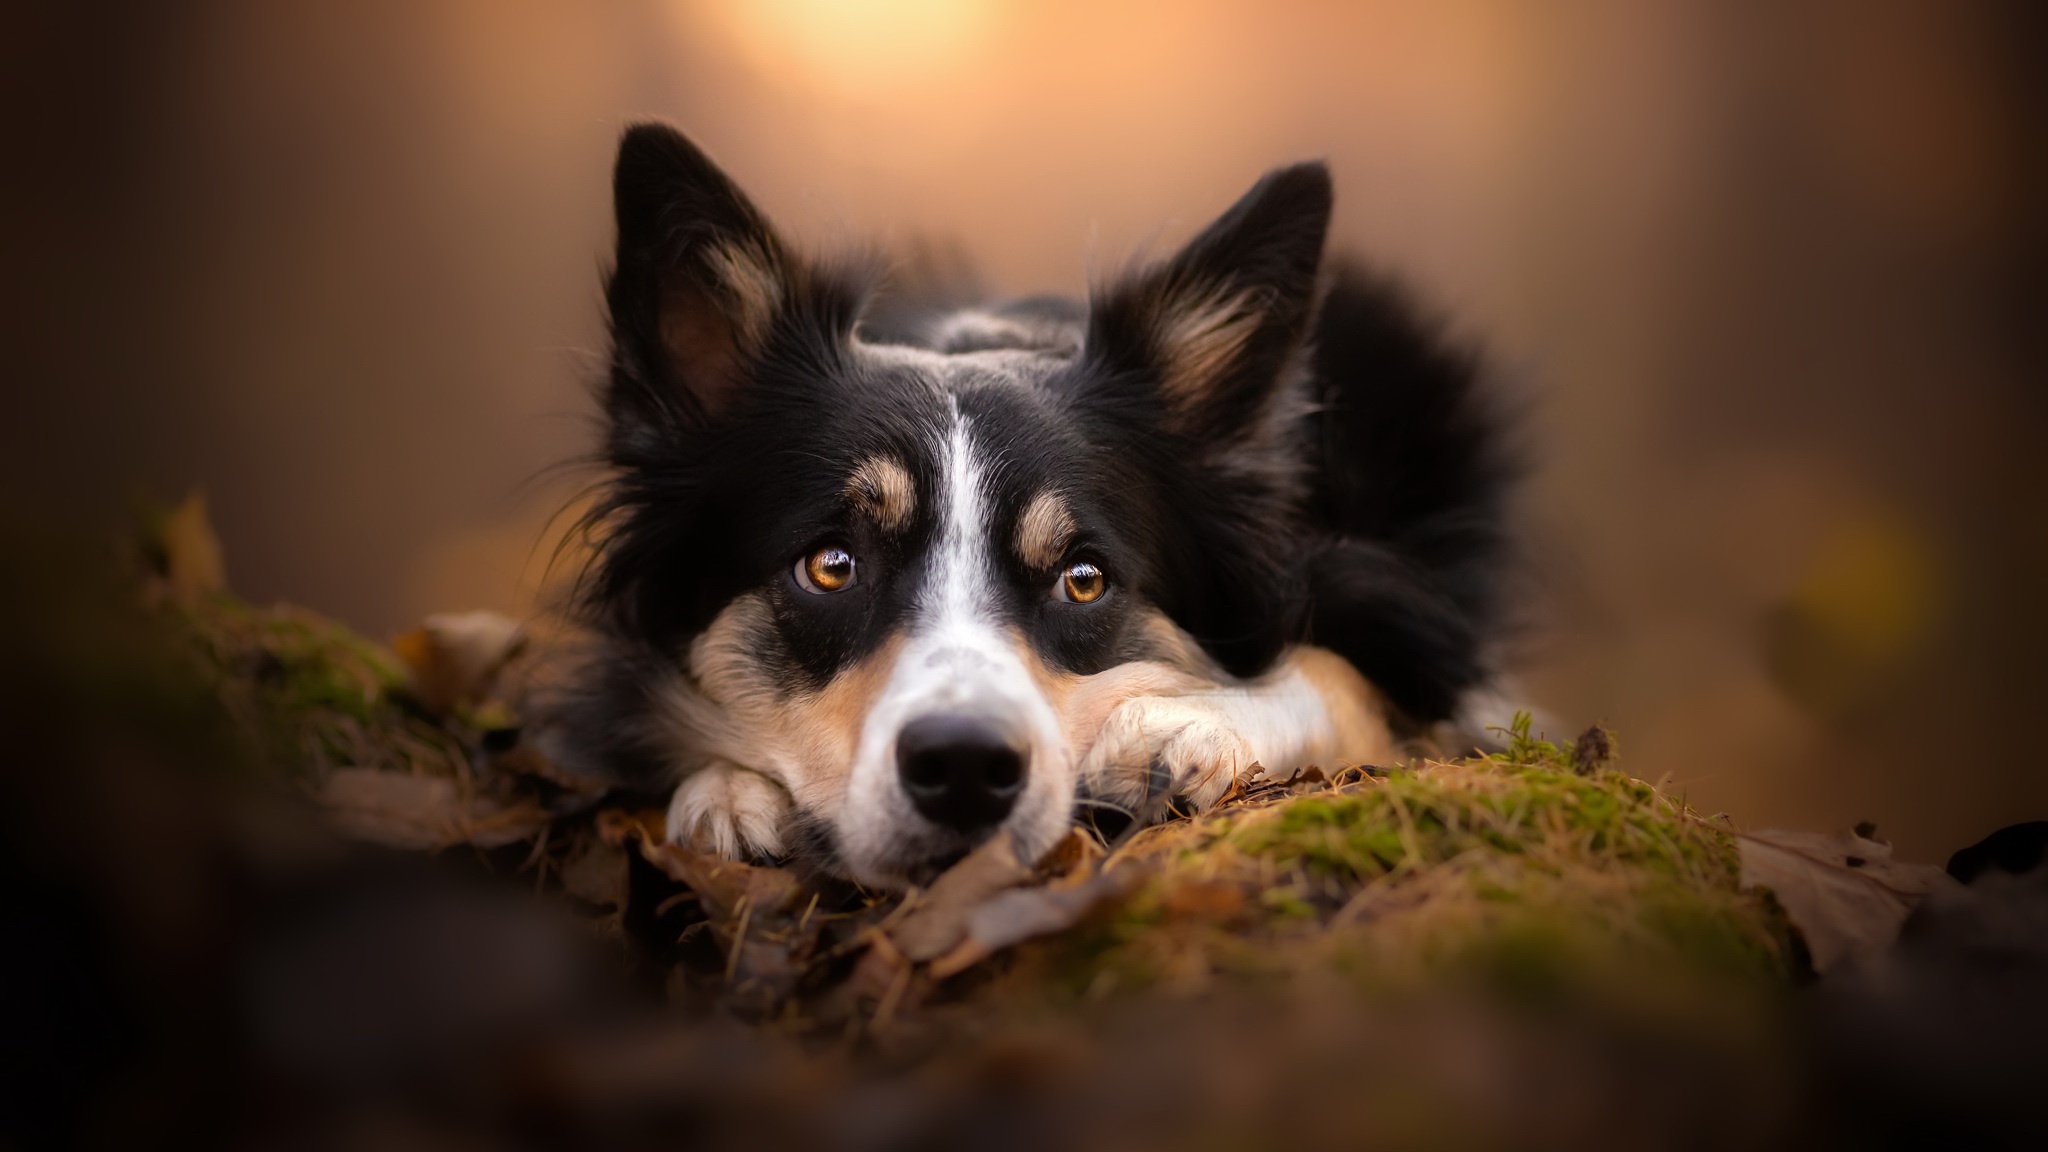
(1541, 870)
(314, 695)
(1516, 871)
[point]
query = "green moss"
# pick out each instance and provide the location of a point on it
(1421, 818)
(312, 694)
(1513, 870)
(1288, 903)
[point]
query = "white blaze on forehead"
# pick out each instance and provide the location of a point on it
(959, 657)
(958, 589)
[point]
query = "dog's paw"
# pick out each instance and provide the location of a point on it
(1155, 748)
(730, 812)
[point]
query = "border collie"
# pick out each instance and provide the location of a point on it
(873, 582)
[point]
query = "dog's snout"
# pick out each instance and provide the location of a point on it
(962, 772)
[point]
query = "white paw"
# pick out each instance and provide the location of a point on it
(729, 812)
(1154, 748)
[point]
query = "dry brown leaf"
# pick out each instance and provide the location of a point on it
(455, 657)
(727, 888)
(1844, 893)
(526, 759)
(1072, 858)
(879, 969)
(752, 910)
(618, 827)
(597, 874)
(1592, 750)
(193, 563)
(939, 920)
(1011, 917)
(1239, 784)
(399, 810)
(1211, 900)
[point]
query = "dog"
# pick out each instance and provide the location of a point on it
(874, 581)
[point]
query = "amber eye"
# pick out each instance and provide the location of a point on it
(1082, 583)
(826, 570)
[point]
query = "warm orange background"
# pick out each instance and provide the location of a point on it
(1769, 275)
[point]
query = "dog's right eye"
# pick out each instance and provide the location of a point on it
(826, 570)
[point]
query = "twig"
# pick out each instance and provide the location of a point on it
(739, 938)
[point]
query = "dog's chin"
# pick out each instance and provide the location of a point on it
(919, 859)
(915, 862)
(905, 851)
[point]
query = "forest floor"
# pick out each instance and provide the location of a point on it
(1531, 948)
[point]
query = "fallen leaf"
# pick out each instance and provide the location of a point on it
(1011, 917)
(455, 657)
(597, 875)
(193, 563)
(524, 758)
(1844, 894)
(618, 827)
(751, 911)
(1072, 857)
(879, 969)
(1238, 784)
(1213, 900)
(727, 888)
(1592, 750)
(939, 920)
(399, 810)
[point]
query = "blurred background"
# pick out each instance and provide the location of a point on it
(1768, 277)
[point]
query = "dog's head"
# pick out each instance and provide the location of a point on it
(906, 579)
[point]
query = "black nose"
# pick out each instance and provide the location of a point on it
(961, 771)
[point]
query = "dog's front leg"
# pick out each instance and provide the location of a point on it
(729, 811)
(1192, 743)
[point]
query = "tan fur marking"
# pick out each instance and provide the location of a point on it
(1201, 341)
(1088, 700)
(1357, 712)
(834, 716)
(882, 488)
(1045, 530)
(1175, 648)
(749, 278)
(729, 709)
(1177, 666)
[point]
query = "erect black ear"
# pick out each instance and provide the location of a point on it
(1213, 327)
(699, 283)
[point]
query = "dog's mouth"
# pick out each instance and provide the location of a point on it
(920, 869)
(922, 875)
(915, 864)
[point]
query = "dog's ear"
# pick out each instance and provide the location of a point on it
(698, 286)
(1211, 330)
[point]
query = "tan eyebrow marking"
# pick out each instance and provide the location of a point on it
(1045, 530)
(883, 489)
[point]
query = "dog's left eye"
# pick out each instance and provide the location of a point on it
(1081, 583)
(826, 570)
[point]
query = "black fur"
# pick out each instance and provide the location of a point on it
(1341, 482)
(1412, 470)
